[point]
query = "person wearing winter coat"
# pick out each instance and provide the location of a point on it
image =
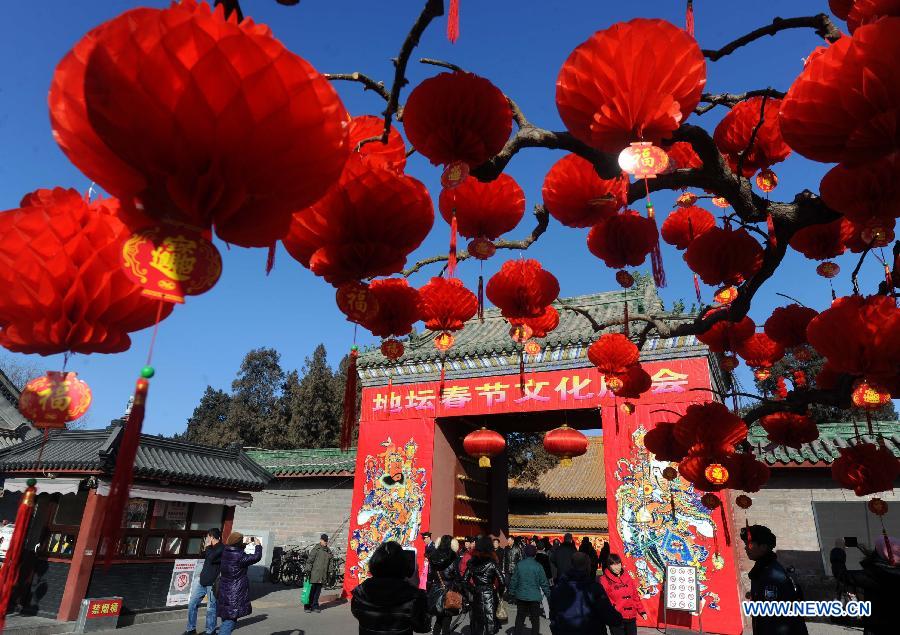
(443, 576)
(623, 594)
(588, 548)
(203, 587)
(770, 582)
(514, 555)
(386, 603)
(527, 583)
(578, 604)
(483, 577)
(561, 557)
(319, 562)
(543, 557)
(603, 555)
(233, 599)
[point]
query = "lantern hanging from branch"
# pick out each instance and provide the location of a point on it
(661, 442)
(392, 349)
(613, 353)
(819, 242)
(357, 302)
(726, 295)
(866, 468)
(743, 501)
(522, 289)
(747, 121)
(643, 160)
(484, 444)
(566, 443)
(766, 180)
(790, 429)
(390, 155)
(724, 256)
(869, 395)
(725, 335)
(484, 210)
(787, 325)
(684, 224)
(397, 307)
(760, 351)
(624, 239)
(577, 197)
(54, 399)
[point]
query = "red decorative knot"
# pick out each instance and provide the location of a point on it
(532, 348)
(54, 399)
(484, 444)
(565, 443)
(877, 506)
(721, 201)
(643, 160)
(802, 353)
(828, 269)
(710, 500)
(687, 199)
(392, 349)
(869, 395)
(762, 374)
(625, 279)
(628, 408)
(614, 383)
(670, 473)
(726, 295)
(521, 333)
(743, 501)
(729, 363)
(716, 473)
(454, 174)
(444, 341)
(356, 302)
(876, 236)
(767, 180)
(481, 248)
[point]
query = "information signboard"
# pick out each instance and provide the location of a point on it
(682, 592)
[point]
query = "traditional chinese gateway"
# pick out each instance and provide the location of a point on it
(412, 475)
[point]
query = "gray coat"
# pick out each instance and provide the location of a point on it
(319, 561)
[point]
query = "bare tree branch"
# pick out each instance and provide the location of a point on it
(753, 134)
(821, 23)
(731, 99)
(365, 80)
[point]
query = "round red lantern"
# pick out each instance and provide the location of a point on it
(64, 288)
(170, 262)
(787, 325)
(544, 323)
(877, 506)
(760, 351)
(762, 374)
(747, 473)
(790, 429)
(445, 304)
(686, 199)
(613, 353)
(481, 248)
(661, 442)
(828, 269)
(726, 295)
(520, 333)
(186, 112)
(577, 197)
(444, 341)
(454, 174)
(623, 239)
(710, 500)
(721, 202)
(632, 383)
(566, 443)
(726, 336)
(864, 192)
(484, 210)
(625, 279)
(643, 160)
(392, 349)
(390, 155)
(866, 468)
(733, 134)
(484, 444)
(532, 348)
(670, 473)
(709, 430)
(682, 156)
(54, 399)
(614, 382)
(869, 395)
(356, 301)
(743, 501)
(397, 307)
(724, 256)
(827, 240)
(522, 289)
(767, 180)
(607, 105)
(716, 473)
(729, 363)
(684, 224)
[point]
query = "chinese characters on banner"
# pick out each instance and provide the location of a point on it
(550, 390)
(104, 608)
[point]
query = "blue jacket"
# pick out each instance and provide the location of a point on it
(579, 606)
(528, 580)
(234, 586)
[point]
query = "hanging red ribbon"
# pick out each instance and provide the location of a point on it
(697, 289)
(770, 225)
(348, 420)
(451, 257)
(453, 21)
(9, 574)
(725, 524)
(689, 18)
(481, 298)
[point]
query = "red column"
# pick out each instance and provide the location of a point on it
(83, 557)
(228, 523)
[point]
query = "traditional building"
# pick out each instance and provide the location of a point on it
(14, 428)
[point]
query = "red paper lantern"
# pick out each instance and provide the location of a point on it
(457, 117)
(827, 240)
(635, 381)
(446, 305)
(866, 468)
(54, 399)
(61, 274)
(613, 353)
(790, 429)
(392, 349)
(201, 119)
(760, 351)
(693, 469)
(865, 191)
(170, 262)
(389, 155)
(522, 289)
(843, 107)
(661, 442)
(643, 160)
(726, 295)
(726, 336)
(766, 180)
(787, 325)
(520, 333)
(721, 202)
(729, 363)
(686, 199)
(612, 90)
(732, 135)
(484, 210)
(840, 8)
(543, 324)
(724, 256)
(869, 395)
(828, 269)
(710, 429)
(743, 501)
(625, 279)
(746, 472)
(865, 11)
(397, 307)
(684, 224)
(670, 473)
(577, 197)
(682, 156)
(532, 348)
(365, 226)
(623, 240)
(614, 383)
(859, 336)
(877, 506)
(710, 500)
(874, 233)
(566, 443)
(716, 473)
(484, 444)
(357, 302)
(444, 341)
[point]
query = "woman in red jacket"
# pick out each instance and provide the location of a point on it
(623, 594)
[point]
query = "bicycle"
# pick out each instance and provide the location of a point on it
(288, 565)
(335, 577)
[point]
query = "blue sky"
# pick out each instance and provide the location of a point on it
(518, 44)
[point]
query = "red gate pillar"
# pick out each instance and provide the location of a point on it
(83, 557)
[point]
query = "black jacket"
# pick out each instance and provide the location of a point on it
(561, 558)
(544, 560)
(212, 562)
(514, 555)
(770, 582)
(483, 575)
(580, 606)
(389, 606)
(443, 575)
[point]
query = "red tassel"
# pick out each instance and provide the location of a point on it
(348, 421)
(481, 298)
(689, 18)
(451, 258)
(625, 330)
(697, 289)
(270, 259)
(659, 274)
(725, 524)
(453, 21)
(887, 545)
(443, 376)
(770, 225)
(887, 278)
(522, 370)
(9, 574)
(124, 472)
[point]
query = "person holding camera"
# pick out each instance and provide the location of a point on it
(234, 585)
(203, 586)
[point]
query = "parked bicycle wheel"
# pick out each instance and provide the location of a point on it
(291, 574)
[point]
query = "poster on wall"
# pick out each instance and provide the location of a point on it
(391, 492)
(183, 574)
(176, 512)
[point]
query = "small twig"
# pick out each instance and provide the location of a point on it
(231, 5)
(821, 23)
(441, 63)
(859, 264)
(785, 295)
(711, 100)
(365, 80)
(762, 118)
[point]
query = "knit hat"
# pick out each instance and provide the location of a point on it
(234, 538)
(530, 551)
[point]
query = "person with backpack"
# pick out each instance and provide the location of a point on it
(770, 582)
(526, 585)
(623, 594)
(578, 604)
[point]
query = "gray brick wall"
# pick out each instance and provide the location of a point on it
(298, 510)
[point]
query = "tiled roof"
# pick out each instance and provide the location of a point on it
(305, 462)
(562, 521)
(585, 479)
(832, 437)
(10, 417)
(486, 345)
(160, 459)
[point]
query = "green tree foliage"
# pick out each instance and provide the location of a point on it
(526, 457)
(314, 403)
(209, 422)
